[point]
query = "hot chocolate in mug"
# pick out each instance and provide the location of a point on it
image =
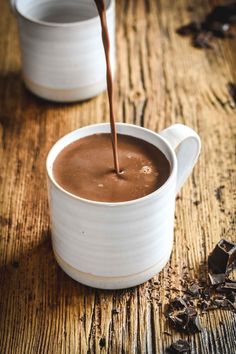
(123, 244)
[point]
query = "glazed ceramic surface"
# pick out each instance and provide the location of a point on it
(118, 245)
(62, 52)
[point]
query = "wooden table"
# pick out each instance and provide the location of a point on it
(161, 79)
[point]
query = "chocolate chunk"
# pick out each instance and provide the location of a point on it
(191, 28)
(216, 278)
(219, 29)
(206, 293)
(183, 316)
(202, 40)
(216, 24)
(222, 13)
(181, 346)
(203, 305)
(222, 257)
(230, 296)
(224, 303)
(193, 290)
(220, 302)
(229, 285)
(178, 303)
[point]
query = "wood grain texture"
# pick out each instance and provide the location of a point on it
(160, 80)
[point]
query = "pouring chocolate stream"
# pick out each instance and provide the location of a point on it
(106, 43)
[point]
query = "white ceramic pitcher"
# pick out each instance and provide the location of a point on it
(119, 245)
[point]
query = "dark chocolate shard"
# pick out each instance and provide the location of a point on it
(203, 304)
(217, 24)
(225, 304)
(181, 346)
(178, 303)
(183, 316)
(229, 285)
(206, 293)
(191, 28)
(231, 296)
(202, 40)
(222, 257)
(222, 13)
(193, 290)
(220, 30)
(220, 303)
(216, 279)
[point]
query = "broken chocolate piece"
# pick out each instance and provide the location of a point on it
(203, 305)
(229, 285)
(183, 316)
(191, 28)
(222, 257)
(206, 293)
(215, 25)
(221, 303)
(216, 279)
(222, 13)
(193, 290)
(224, 303)
(202, 40)
(181, 346)
(220, 30)
(230, 296)
(178, 304)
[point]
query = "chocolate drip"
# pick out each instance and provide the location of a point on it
(106, 43)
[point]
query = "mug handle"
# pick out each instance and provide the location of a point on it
(187, 145)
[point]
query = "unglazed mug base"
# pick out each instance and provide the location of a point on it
(111, 283)
(65, 95)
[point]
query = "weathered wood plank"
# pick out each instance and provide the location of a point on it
(161, 79)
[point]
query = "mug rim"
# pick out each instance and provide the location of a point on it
(109, 204)
(81, 23)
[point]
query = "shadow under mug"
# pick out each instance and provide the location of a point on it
(61, 47)
(120, 245)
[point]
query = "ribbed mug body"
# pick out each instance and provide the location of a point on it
(112, 245)
(64, 61)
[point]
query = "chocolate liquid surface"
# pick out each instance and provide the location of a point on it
(106, 43)
(85, 168)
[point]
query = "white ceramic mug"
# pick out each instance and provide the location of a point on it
(119, 245)
(62, 52)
